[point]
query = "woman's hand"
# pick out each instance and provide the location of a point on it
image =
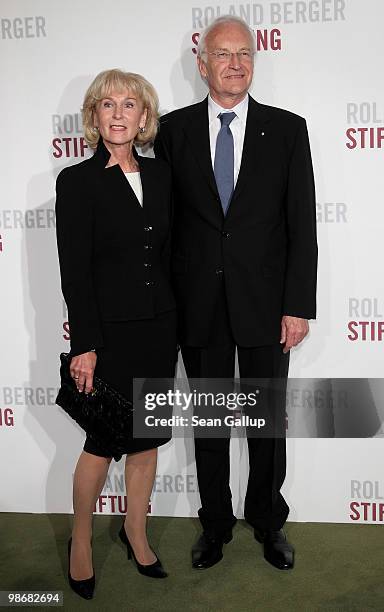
(82, 368)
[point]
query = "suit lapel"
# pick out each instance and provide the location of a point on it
(257, 117)
(197, 132)
(115, 180)
(149, 185)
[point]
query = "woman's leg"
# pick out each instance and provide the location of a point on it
(140, 470)
(90, 474)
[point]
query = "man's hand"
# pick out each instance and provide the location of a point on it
(82, 368)
(293, 330)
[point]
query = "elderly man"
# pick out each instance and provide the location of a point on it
(244, 265)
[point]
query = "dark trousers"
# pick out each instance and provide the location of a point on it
(264, 505)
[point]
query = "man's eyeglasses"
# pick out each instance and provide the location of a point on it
(226, 56)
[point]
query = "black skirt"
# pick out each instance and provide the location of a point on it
(135, 349)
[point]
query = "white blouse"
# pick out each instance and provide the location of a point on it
(134, 180)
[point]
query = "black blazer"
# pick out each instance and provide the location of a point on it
(113, 253)
(266, 244)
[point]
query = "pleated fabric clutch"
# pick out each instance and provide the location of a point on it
(104, 414)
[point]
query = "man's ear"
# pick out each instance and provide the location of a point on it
(202, 67)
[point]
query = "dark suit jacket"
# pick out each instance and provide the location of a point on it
(113, 253)
(266, 244)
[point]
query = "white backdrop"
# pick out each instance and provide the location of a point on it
(320, 59)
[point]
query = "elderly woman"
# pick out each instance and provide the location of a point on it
(113, 225)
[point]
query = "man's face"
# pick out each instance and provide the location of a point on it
(231, 77)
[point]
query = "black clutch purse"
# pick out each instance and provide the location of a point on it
(104, 414)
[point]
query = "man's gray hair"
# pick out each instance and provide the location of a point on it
(201, 47)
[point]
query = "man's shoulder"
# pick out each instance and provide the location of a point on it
(280, 114)
(274, 112)
(182, 114)
(155, 165)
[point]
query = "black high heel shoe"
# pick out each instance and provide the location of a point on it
(84, 588)
(155, 570)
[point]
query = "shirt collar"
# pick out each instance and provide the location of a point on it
(102, 154)
(215, 109)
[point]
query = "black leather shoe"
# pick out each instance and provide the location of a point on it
(208, 551)
(155, 570)
(277, 550)
(84, 588)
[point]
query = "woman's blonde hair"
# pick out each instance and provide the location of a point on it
(116, 80)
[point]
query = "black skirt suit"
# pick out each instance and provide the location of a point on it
(114, 265)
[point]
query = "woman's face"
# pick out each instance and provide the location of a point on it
(119, 117)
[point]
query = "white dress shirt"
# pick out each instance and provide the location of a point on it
(237, 127)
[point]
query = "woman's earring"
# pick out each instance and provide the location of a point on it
(95, 128)
(142, 130)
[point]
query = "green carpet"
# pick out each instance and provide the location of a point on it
(338, 567)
